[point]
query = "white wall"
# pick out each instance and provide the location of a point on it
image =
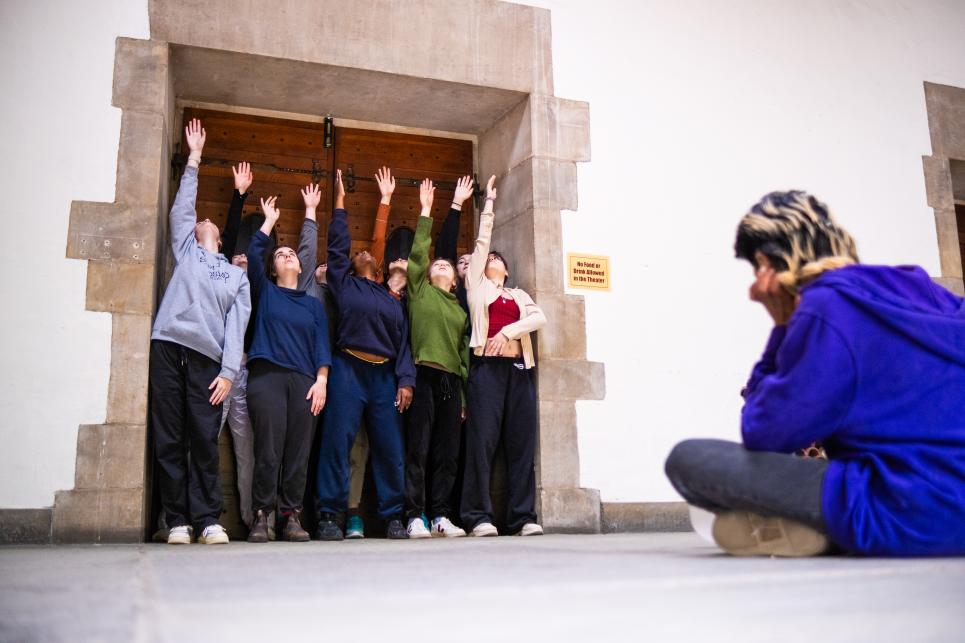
(697, 109)
(60, 138)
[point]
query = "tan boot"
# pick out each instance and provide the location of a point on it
(742, 533)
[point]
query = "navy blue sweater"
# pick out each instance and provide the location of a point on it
(872, 365)
(291, 329)
(369, 318)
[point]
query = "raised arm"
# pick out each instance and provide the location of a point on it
(448, 239)
(308, 239)
(236, 322)
(229, 238)
(184, 217)
(257, 247)
(339, 240)
(480, 254)
(386, 186)
(419, 255)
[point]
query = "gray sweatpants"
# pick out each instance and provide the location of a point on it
(235, 412)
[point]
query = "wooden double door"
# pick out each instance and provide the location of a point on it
(286, 155)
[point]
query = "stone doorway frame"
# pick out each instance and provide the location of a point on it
(946, 126)
(455, 79)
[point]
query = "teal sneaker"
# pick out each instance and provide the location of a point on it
(425, 521)
(355, 528)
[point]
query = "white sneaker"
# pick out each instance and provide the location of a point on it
(417, 529)
(530, 529)
(484, 529)
(180, 535)
(214, 535)
(442, 527)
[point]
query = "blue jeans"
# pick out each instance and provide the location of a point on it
(720, 476)
(357, 388)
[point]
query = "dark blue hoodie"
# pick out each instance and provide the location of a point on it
(872, 365)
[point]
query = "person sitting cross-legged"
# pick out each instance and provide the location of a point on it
(868, 361)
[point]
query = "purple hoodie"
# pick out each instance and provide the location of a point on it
(872, 365)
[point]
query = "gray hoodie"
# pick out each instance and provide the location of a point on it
(207, 303)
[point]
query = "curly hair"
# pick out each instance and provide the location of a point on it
(798, 235)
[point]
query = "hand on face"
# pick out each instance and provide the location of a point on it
(768, 291)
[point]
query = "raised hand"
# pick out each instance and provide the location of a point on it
(339, 191)
(463, 190)
(243, 177)
(426, 194)
(270, 211)
(491, 188)
(195, 135)
(312, 196)
(386, 182)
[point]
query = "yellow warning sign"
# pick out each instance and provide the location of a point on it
(588, 271)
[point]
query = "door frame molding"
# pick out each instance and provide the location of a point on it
(501, 93)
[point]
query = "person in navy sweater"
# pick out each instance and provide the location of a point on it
(288, 374)
(372, 374)
(868, 361)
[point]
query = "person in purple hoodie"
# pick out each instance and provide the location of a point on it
(868, 361)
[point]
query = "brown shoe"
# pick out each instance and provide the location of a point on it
(259, 528)
(293, 529)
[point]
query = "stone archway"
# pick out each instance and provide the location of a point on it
(486, 71)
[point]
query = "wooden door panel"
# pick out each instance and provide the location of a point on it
(409, 157)
(269, 144)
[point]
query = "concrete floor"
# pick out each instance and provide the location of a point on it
(654, 587)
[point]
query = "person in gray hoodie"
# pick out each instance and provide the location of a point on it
(196, 350)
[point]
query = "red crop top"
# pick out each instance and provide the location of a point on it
(502, 313)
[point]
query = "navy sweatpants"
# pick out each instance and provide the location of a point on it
(356, 389)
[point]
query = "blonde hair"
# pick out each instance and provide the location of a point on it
(798, 235)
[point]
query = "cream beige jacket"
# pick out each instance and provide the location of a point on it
(481, 292)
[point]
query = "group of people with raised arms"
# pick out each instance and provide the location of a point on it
(317, 368)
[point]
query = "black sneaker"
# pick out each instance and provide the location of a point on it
(395, 531)
(328, 529)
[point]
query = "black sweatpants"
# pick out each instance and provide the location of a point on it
(502, 406)
(432, 434)
(283, 425)
(183, 422)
